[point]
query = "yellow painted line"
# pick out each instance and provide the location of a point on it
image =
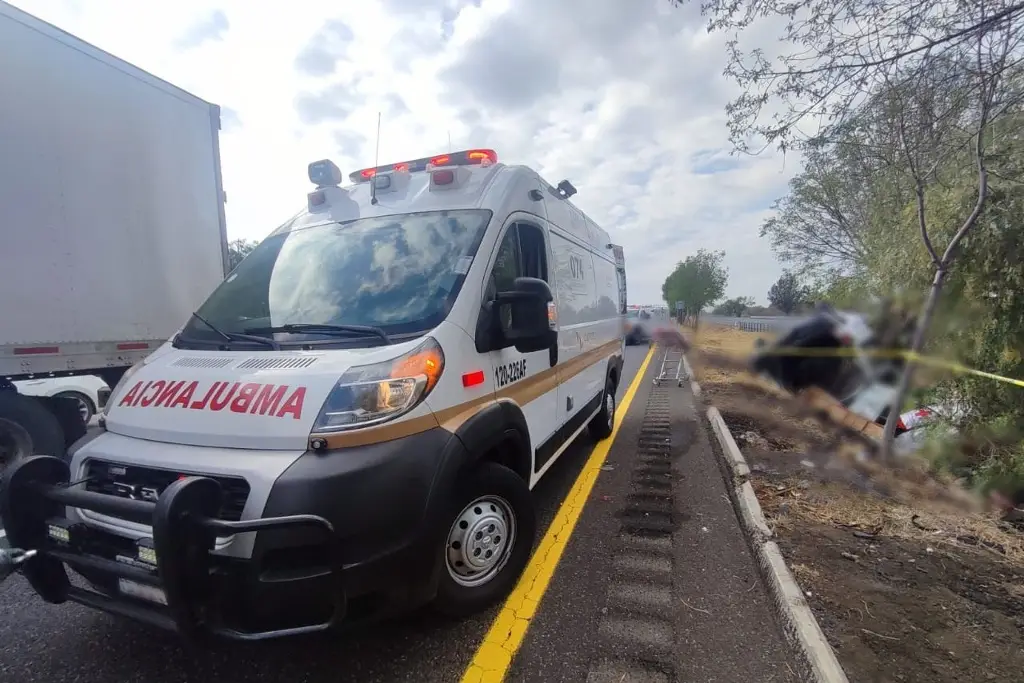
(494, 656)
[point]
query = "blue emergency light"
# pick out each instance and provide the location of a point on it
(324, 173)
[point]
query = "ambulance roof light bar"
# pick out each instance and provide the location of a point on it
(469, 157)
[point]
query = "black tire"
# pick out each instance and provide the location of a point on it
(27, 428)
(603, 423)
(68, 411)
(454, 599)
(85, 403)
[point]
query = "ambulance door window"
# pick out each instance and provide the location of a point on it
(507, 267)
(534, 251)
(522, 253)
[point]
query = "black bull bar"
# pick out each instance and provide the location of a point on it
(33, 494)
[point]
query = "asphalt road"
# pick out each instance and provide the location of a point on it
(48, 643)
(657, 583)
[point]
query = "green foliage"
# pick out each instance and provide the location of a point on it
(788, 293)
(842, 291)
(238, 250)
(907, 151)
(734, 307)
(697, 281)
(980, 322)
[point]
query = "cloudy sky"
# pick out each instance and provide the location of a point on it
(623, 97)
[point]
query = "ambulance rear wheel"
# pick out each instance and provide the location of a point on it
(492, 530)
(602, 424)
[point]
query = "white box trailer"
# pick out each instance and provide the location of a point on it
(112, 223)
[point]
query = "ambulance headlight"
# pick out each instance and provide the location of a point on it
(370, 394)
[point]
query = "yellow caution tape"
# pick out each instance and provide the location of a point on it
(952, 366)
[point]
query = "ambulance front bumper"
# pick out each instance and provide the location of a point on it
(340, 537)
(171, 580)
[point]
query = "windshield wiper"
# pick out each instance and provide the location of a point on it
(325, 328)
(235, 336)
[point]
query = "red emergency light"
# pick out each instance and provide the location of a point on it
(469, 157)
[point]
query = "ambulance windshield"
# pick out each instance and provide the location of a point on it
(399, 273)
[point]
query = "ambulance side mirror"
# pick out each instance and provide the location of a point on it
(529, 329)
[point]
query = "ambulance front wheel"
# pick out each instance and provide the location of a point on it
(602, 424)
(488, 543)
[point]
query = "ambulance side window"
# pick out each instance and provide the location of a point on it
(506, 270)
(506, 264)
(534, 251)
(522, 253)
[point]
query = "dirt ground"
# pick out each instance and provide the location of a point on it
(903, 593)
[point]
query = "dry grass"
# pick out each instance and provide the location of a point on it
(732, 342)
(727, 388)
(835, 503)
(838, 505)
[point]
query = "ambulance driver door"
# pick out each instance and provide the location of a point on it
(527, 378)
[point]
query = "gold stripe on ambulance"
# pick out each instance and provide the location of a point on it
(451, 419)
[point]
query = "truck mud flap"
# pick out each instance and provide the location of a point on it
(176, 561)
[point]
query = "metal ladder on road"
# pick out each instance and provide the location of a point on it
(672, 369)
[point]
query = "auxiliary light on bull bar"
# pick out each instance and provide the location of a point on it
(146, 551)
(59, 530)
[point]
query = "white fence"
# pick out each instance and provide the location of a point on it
(779, 323)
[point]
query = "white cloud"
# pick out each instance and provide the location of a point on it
(207, 29)
(623, 97)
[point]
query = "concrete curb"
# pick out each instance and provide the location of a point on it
(737, 464)
(798, 622)
(693, 378)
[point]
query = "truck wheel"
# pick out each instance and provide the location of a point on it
(27, 428)
(86, 409)
(493, 527)
(69, 412)
(602, 424)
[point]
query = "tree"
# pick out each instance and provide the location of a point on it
(980, 319)
(787, 293)
(939, 74)
(734, 308)
(238, 250)
(697, 281)
(848, 190)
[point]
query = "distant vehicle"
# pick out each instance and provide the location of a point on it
(113, 215)
(638, 330)
(89, 392)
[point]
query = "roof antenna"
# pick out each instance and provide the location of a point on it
(376, 158)
(449, 142)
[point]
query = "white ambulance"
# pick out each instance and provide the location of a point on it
(352, 422)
